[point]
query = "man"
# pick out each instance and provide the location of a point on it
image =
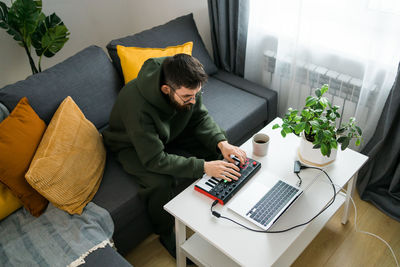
(161, 111)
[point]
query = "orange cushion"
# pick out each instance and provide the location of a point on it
(8, 202)
(69, 162)
(20, 134)
(132, 58)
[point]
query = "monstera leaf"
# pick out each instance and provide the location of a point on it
(26, 23)
(50, 36)
(23, 18)
(4, 23)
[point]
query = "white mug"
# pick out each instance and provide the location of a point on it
(260, 144)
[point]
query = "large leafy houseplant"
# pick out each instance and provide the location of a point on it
(27, 24)
(318, 122)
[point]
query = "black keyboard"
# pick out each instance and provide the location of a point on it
(222, 190)
(272, 203)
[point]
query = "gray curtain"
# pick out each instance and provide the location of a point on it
(379, 180)
(228, 23)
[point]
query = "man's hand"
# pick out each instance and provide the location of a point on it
(222, 169)
(227, 150)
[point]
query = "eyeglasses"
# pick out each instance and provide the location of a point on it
(190, 98)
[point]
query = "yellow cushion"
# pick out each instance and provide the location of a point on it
(132, 58)
(69, 162)
(8, 202)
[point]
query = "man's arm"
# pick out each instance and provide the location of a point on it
(204, 126)
(211, 135)
(150, 151)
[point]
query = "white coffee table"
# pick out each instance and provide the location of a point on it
(218, 242)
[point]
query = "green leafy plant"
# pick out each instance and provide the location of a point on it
(27, 24)
(318, 122)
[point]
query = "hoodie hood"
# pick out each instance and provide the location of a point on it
(149, 85)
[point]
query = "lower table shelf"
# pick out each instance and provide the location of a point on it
(203, 253)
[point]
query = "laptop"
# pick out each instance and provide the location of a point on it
(264, 204)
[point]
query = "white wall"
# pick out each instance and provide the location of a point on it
(97, 22)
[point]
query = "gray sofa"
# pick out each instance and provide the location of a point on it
(240, 107)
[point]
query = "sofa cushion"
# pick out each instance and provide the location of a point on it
(20, 134)
(118, 194)
(236, 111)
(8, 202)
(69, 162)
(88, 77)
(132, 58)
(178, 31)
(253, 88)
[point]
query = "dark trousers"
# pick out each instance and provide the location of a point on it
(158, 189)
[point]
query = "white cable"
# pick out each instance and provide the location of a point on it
(364, 232)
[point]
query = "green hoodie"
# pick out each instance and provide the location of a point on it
(144, 121)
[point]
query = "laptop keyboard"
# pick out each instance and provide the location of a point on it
(272, 202)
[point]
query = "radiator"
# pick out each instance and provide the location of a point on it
(344, 90)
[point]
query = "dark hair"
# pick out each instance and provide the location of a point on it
(183, 70)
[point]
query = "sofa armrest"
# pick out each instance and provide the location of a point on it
(251, 87)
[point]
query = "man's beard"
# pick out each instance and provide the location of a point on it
(177, 106)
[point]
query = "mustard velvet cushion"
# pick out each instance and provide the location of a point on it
(69, 162)
(8, 202)
(20, 135)
(132, 58)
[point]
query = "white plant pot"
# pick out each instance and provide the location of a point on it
(310, 156)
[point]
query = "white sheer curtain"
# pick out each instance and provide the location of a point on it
(295, 46)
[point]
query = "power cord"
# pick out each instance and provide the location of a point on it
(368, 233)
(297, 170)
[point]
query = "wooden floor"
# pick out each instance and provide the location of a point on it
(335, 245)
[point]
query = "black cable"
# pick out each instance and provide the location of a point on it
(300, 181)
(218, 215)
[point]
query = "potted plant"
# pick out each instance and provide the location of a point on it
(316, 123)
(27, 24)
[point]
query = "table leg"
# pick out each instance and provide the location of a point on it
(350, 192)
(180, 235)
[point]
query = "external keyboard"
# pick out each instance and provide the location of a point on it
(220, 189)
